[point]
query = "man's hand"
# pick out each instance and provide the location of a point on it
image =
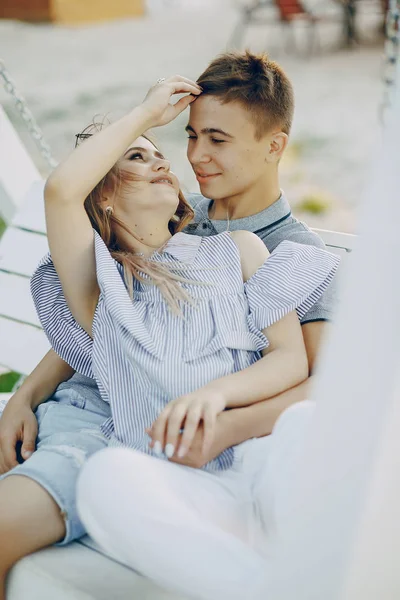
(18, 423)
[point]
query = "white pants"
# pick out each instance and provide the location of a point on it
(208, 536)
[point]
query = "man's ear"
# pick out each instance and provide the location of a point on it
(276, 146)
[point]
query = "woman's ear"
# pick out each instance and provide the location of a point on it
(276, 147)
(104, 202)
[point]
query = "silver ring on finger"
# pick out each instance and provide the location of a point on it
(160, 80)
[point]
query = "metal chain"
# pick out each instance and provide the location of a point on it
(392, 51)
(27, 117)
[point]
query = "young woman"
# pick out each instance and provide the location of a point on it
(175, 329)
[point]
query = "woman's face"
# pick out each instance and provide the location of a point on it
(152, 185)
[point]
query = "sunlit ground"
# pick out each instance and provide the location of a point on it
(70, 74)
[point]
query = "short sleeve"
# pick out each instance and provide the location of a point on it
(69, 340)
(294, 277)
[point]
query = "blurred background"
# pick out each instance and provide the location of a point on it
(73, 59)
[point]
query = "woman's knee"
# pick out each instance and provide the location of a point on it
(103, 473)
(113, 465)
(113, 475)
(298, 415)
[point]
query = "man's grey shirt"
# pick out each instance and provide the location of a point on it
(273, 225)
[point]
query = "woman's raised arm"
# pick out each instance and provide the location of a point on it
(69, 230)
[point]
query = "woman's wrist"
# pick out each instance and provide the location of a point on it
(217, 389)
(141, 117)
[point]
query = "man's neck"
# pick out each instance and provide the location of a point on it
(249, 203)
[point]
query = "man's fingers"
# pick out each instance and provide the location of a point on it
(7, 449)
(29, 439)
(191, 424)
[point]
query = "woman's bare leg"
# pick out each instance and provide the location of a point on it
(29, 520)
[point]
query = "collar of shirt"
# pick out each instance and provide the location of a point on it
(183, 247)
(278, 211)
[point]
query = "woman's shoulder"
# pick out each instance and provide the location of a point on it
(248, 242)
(252, 250)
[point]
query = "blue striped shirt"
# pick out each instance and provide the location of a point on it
(142, 355)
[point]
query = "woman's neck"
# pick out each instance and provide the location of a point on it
(145, 237)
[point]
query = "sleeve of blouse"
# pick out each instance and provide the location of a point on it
(69, 340)
(292, 278)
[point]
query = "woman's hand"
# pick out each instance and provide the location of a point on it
(186, 413)
(18, 423)
(157, 101)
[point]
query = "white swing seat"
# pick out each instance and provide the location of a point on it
(77, 571)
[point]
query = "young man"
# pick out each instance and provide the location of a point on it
(238, 130)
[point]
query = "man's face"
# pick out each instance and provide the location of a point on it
(222, 148)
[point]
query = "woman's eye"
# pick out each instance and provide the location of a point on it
(215, 141)
(136, 155)
(192, 137)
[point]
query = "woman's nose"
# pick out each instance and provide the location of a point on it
(162, 164)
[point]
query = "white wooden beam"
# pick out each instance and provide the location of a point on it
(22, 346)
(17, 170)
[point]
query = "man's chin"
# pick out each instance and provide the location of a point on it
(212, 190)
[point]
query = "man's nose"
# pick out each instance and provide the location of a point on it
(197, 153)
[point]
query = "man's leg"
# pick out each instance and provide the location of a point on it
(180, 527)
(29, 520)
(37, 498)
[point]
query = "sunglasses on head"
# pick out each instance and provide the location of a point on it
(80, 137)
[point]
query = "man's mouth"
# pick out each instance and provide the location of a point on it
(203, 177)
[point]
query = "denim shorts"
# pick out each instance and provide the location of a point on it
(68, 434)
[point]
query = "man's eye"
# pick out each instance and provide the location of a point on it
(215, 141)
(136, 155)
(192, 137)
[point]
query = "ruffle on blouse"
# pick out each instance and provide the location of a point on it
(69, 340)
(219, 323)
(292, 278)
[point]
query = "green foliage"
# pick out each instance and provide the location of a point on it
(314, 204)
(7, 381)
(306, 145)
(2, 227)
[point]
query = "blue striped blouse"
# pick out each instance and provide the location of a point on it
(142, 355)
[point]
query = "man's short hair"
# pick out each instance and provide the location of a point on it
(259, 84)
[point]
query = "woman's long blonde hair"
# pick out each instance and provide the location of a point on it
(104, 222)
